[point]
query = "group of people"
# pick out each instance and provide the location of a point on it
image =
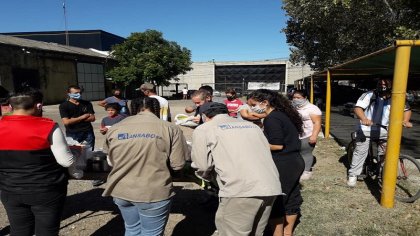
(257, 168)
(258, 165)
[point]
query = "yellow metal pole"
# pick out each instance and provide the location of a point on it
(407, 43)
(328, 106)
(399, 86)
(311, 97)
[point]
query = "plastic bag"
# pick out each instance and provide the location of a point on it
(82, 153)
(185, 120)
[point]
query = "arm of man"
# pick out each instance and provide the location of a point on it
(362, 117)
(178, 149)
(406, 119)
(189, 109)
(200, 155)
(60, 149)
(102, 103)
(70, 121)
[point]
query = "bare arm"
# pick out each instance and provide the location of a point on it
(276, 147)
(406, 119)
(75, 120)
(362, 117)
(102, 103)
(316, 120)
(189, 109)
(248, 115)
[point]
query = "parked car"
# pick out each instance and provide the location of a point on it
(217, 93)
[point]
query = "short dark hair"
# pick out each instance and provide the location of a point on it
(207, 88)
(113, 105)
(73, 87)
(302, 92)
(203, 94)
(26, 100)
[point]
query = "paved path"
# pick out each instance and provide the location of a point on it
(342, 126)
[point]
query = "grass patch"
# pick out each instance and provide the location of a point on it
(332, 208)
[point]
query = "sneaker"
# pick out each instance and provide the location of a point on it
(306, 175)
(352, 181)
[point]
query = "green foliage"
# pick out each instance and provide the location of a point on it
(148, 57)
(324, 33)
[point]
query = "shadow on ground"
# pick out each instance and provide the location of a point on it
(196, 206)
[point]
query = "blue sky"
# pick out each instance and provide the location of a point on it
(223, 30)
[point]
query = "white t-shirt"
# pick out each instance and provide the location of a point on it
(185, 91)
(164, 107)
(305, 112)
(365, 103)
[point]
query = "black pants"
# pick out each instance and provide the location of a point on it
(37, 213)
(290, 169)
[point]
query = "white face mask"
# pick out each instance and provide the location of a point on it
(299, 102)
(258, 109)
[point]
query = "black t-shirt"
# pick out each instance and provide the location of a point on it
(71, 110)
(279, 130)
(197, 112)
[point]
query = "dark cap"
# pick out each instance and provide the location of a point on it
(211, 109)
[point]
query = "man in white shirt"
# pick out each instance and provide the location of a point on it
(373, 110)
(149, 90)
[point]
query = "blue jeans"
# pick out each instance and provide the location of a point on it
(144, 218)
(81, 136)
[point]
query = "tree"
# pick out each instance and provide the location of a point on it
(148, 57)
(324, 33)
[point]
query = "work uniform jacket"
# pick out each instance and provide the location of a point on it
(140, 148)
(240, 155)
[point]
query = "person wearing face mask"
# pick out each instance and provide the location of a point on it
(245, 112)
(282, 127)
(238, 152)
(311, 117)
(373, 111)
(117, 98)
(232, 102)
(77, 116)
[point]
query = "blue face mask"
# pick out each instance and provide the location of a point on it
(75, 96)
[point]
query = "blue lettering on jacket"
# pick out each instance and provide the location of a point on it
(123, 136)
(227, 126)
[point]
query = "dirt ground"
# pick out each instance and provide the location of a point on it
(329, 208)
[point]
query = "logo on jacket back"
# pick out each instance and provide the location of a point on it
(123, 136)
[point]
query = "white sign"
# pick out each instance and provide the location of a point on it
(262, 85)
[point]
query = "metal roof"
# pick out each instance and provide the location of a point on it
(377, 64)
(52, 47)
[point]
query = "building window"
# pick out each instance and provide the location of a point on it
(92, 80)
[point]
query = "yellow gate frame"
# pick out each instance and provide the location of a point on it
(399, 87)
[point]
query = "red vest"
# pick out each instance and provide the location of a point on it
(26, 161)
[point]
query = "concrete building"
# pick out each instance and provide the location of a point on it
(51, 68)
(243, 76)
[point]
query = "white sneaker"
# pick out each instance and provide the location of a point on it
(306, 175)
(352, 181)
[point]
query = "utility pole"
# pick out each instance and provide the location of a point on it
(65, 23)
